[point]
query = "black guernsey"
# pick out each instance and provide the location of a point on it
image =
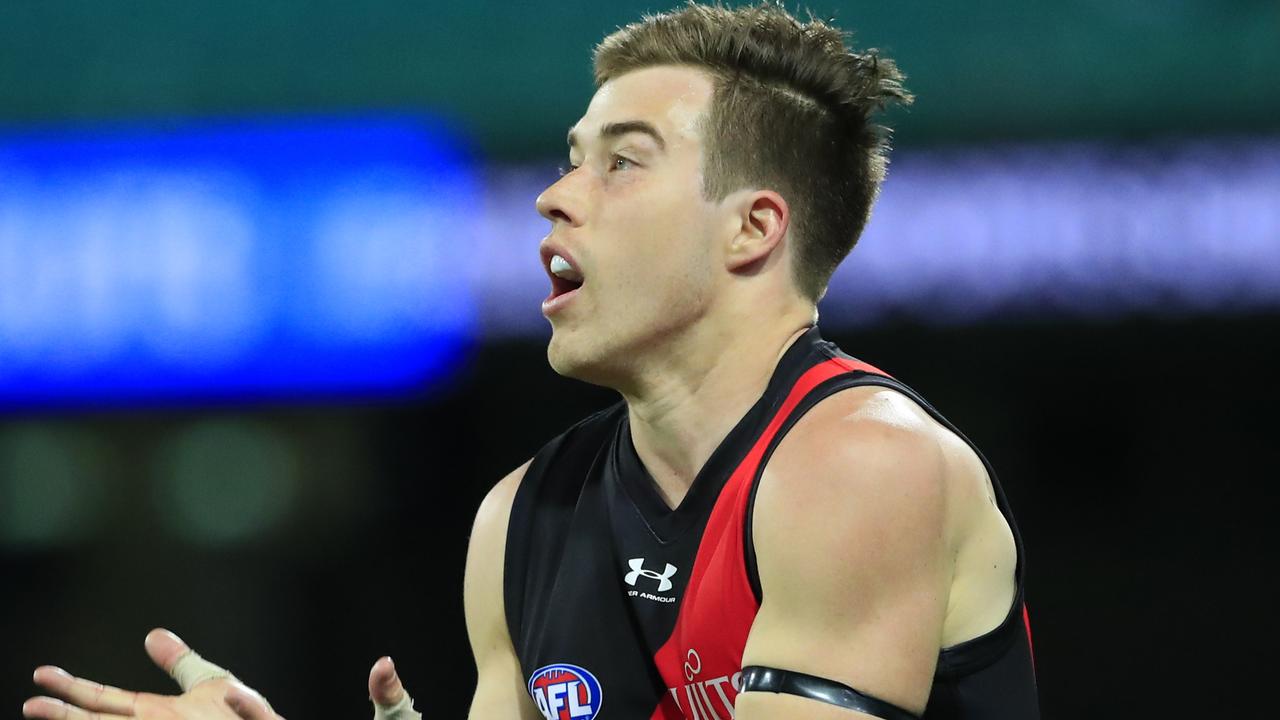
(623, 609)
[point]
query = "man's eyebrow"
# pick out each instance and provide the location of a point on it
(618, 129)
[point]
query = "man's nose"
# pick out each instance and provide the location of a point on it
(556, 203)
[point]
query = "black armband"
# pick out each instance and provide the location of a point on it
(786, 682)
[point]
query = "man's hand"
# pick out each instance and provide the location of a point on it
(208, 691)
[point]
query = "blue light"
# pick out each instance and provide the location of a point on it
(234, 261)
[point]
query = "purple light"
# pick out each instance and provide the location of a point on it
(965, 235)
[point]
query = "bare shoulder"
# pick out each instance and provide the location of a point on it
(499, 684)
(486, 555)
(876, 447)
(495, 510)
(852, 540)
(878, 471)
(864, 445)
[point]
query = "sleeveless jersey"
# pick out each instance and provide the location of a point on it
(621, 608)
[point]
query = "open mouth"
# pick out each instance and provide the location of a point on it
(565, 278)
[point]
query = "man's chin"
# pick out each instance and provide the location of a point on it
(566, 360)
(579, 361)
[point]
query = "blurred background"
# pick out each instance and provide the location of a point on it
(269, 323)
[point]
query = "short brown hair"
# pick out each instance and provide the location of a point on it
(791, 112)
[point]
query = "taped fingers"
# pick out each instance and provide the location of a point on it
(191, 670)
(47, 708)
(87, 694)
(390, 700)
(402, 710)
(187, 668)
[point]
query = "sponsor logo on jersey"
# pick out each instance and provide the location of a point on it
(705, 695)
(663, 578)
(565, 692)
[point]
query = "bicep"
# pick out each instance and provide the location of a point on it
(852, 558)
(500, 692)
(499, 684)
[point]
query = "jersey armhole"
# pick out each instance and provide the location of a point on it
(958, 659)
(816, 395)
(515, 555)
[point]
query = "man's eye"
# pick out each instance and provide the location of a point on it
(566, 169)
(621, 163)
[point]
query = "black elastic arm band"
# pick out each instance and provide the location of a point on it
(765, 679)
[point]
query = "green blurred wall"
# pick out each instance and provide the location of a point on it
(516, 74)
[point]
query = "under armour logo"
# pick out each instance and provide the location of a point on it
(637, 570)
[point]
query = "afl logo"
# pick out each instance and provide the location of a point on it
(565, 692)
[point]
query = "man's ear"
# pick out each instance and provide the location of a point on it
(763, 218)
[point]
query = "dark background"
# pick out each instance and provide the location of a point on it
(1138, 449)
(1140, 457)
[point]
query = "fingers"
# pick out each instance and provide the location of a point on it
(181, 662)
(384, 684)
(390, 701)
(165, 648)
(92, 696)
(249, 706)
(47, 708)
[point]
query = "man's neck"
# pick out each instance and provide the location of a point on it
(680, 412)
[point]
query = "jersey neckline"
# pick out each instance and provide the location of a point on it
(669, 524)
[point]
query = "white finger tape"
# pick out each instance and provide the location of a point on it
(191, 670)
(402, 710)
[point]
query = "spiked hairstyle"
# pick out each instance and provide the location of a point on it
(791, 112)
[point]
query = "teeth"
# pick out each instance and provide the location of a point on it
(563, 270)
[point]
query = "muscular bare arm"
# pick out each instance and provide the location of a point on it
(854, 534)
(500, 689)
